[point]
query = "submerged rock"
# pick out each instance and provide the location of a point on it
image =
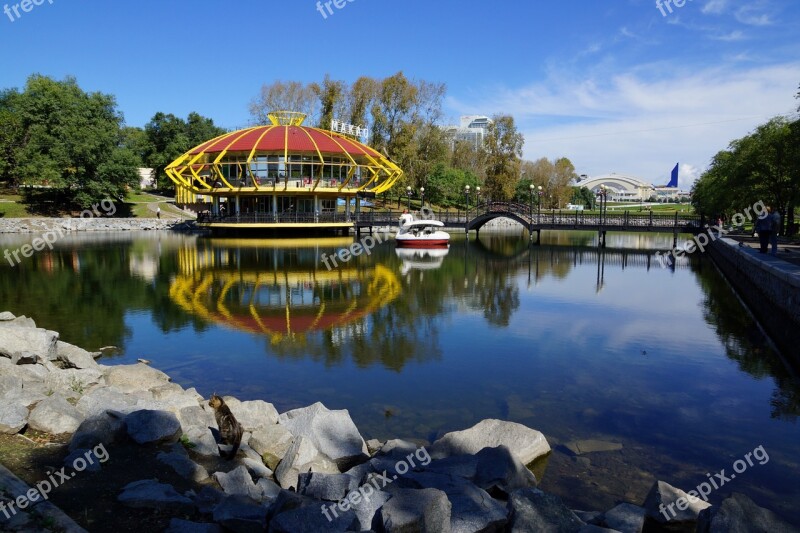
(626, 518)
(580, 447)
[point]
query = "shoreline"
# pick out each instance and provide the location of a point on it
(293, 466)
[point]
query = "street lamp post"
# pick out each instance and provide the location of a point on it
(422, 196)
(603, 196)
(531, 206)
(408, 193)
(539, 204)
(466, 195)
(477, 196)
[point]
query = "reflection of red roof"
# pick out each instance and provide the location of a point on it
(298, 139)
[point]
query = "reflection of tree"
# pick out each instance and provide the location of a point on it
(745, 343)
(85, 293)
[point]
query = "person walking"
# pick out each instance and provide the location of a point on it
(776, 228)
(158, 212)
(763, 226)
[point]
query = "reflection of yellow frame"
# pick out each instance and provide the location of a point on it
(379, 172)
(191, 291)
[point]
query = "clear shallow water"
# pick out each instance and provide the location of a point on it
(565, 340)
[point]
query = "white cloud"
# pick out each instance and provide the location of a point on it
(750, 14)
(736, 35)
(641, 122)
(714, 7)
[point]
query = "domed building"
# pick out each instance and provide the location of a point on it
(280, 176)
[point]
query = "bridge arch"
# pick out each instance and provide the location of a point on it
(481, 220)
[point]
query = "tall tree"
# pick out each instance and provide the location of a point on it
(503, 158)
(285, 96)
(331, 97)
(71, 142)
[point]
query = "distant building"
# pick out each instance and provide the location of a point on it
(626, 188)
(147, 178)
(473, 129)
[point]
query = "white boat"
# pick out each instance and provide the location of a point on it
(421, 233)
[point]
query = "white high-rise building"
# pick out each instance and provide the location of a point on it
(473, 129)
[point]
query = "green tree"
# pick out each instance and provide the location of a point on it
(503, 158)
(70, 143)
(11, 136)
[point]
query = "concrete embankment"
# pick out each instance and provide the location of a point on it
(67, 225)
(769, 286)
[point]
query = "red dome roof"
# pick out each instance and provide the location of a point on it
(294, 139)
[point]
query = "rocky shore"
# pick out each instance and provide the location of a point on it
(68, 225)
(308, 469)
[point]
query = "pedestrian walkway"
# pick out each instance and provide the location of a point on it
(788, 250)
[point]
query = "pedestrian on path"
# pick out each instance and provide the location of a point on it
(158, 212)
(763, 228)
(776, 228)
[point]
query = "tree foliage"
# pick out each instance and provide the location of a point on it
(58, 137)
(764, 165)
(503, 158)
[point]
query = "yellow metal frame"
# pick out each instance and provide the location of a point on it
(379, 174)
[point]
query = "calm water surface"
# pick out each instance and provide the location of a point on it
(577, 344)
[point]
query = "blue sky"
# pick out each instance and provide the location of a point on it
(614, 85)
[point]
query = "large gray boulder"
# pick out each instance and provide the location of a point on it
(13, 418)
(533, 510)
(625, 518)
(103, 428)
(6, 316)
(202, 442)
(70, 356)
(183, 466)
(74, 383)
(473, 509)
(240, 514)
(196, 416)
(525, 443)
(310, 519)
(135, 378)
(423, 511)
(252, 415)
(147, 427)
(330, 487)
(492, 469)
(178, 525)
(669, 505)
(150, 494)
(238, 482)
(99, 400)
(740, 514)
(333, 433)
(302, 456)
(271, 443)
(56, 416)
(17, 340)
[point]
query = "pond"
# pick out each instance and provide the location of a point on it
(578, 342)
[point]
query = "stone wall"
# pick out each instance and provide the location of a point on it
(66, 225)
(769, 286)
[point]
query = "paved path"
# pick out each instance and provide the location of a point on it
(788, 250)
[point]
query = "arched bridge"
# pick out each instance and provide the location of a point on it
(536, 221)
